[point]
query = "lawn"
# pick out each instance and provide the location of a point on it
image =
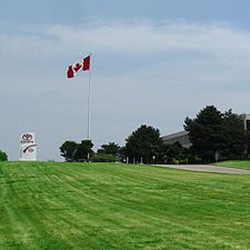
(115, 206)
(244, 164)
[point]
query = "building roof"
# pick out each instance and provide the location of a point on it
(175, 135)
(181, 137)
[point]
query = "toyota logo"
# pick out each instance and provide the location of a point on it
(27, 137)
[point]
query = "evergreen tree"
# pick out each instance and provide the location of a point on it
(236, 136)
(3, 156)
(143, 145)
(217, 135)
(206, 133)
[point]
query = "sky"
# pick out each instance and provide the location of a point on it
(153, 62)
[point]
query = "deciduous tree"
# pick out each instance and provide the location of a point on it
(67, 150)
(73, 151)
(111, 148)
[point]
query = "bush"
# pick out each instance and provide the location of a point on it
(3, 156)
(102, 157)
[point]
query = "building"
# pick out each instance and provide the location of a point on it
(245, 119)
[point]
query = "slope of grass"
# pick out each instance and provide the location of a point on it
(243, 164)
(115, 206)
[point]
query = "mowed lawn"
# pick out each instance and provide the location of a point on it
(244, 164)
(115, 206)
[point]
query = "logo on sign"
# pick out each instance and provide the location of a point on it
(27, 138)
(29, 149)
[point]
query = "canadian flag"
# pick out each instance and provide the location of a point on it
(74, 68)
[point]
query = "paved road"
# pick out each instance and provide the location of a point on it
(209, 168)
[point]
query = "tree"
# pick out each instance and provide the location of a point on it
(73, 151)
(217, 135)
(3, 156)
(236, 136)
(67, 150)
(110, 148)
(143, 145)
(107, 153)
(174, 153)
(206, 133)
(83, 150)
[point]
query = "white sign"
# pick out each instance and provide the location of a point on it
(28, 147)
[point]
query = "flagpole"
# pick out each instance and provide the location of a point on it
(72, 70)
(89, 105)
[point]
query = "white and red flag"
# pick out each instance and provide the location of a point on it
(74, 68)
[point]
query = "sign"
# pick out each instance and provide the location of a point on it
(28, 147)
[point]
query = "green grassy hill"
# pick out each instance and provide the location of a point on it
(114, 206)
(244, 164)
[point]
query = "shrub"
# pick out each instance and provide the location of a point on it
(3, 156)
(102, 157)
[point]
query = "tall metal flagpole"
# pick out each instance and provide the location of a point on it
(89, 103)
(72, 70)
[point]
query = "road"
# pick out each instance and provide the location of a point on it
(208, 168)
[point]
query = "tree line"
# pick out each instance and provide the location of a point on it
(214, 136)
(142, 146)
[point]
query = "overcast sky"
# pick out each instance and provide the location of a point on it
(154, 62)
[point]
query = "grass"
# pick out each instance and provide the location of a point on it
(242, 164)
(116, 206)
